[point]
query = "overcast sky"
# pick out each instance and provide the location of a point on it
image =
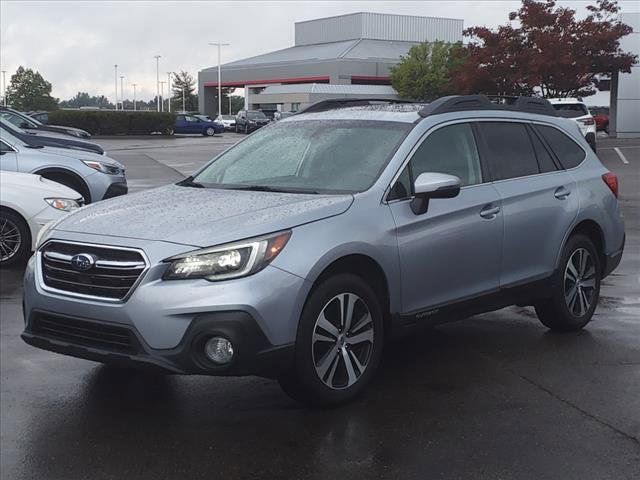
(75, 44)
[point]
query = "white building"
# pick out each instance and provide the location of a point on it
(624, 114)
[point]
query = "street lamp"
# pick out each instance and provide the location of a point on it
(161, 95)
(134, 96)
(122, 90)
(219, 44)
(4, 88)
(157, 57)
(116, 78)
(168, 91)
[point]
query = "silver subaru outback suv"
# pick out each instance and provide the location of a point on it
(297, 253)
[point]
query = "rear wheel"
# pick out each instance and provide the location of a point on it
(576, 288)
(15, 240)
(210, 132)
(339, 343)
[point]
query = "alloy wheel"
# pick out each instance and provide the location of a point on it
(580, 282)
(342, 341)
(10, 239)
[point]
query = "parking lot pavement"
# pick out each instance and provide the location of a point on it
(494, 396)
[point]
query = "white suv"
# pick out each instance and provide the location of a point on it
(576, 110)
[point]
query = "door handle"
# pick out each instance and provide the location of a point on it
(489, 212)
(561, 193)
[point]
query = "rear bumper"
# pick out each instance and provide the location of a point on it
(78, 337)
(613, 260)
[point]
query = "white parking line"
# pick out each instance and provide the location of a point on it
(621, 155)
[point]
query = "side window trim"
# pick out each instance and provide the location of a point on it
(7, 147)
(414, 148)
(533, 132)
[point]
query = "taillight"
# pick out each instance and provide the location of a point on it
(611, 179)
(588, 121)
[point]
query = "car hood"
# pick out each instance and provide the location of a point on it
(68, 129)
(201, 217)
(81, 155)
(35, 185)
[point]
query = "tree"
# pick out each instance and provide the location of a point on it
(27, 90)
(547, 50)
(425, 73)
(184, 82)
(83, 99)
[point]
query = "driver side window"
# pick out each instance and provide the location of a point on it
(451, 149)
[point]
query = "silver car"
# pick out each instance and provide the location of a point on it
(94, 176)
(298, 252)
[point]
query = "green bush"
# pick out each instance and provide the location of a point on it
(102, 122)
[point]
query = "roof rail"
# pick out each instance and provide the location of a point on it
(458, 103)
(333, 103)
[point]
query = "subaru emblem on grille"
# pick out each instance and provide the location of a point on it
(82, 262)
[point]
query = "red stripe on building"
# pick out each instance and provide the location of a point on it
(324, 79)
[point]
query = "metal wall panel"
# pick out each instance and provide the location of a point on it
(378, 26)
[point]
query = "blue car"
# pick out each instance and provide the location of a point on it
(197, 124)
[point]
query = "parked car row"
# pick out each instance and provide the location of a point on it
(31, 123)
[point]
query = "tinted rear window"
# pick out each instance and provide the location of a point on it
(569, 153)
(509, 150)
(571, 110)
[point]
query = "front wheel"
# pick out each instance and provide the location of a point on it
(576, 288)
(15, 241)
(339, 343)
(210, 132)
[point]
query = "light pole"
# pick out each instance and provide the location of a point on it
(219, 44)
(168, 91)
(184, 110)
(116, 78)
(4, 88)
(157, 57)
(134, 96)
(229, 104)
(122, 90)
(162, 95)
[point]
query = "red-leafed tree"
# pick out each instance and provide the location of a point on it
(545, 49)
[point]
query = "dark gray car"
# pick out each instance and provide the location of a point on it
(27, 122)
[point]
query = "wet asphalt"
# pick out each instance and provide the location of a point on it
(492, 397)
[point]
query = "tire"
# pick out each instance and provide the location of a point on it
(70, 181)
(321, 375)
(246, 128)
(606, 128)
(15, 238)
(209, 132)
(170, 131)
(570, 308)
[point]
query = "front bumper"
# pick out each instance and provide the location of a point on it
(170, 320)
(87, 339)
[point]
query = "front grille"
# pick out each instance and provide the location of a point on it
(85, 333)
(114, 273)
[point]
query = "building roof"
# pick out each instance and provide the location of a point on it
(361, 49)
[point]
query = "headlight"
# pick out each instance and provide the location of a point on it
(233, 260)
(103, 167)
(65, 204)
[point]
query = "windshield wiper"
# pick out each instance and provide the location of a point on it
(188, 182)
(266, 188)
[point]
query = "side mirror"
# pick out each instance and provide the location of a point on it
(433, 185)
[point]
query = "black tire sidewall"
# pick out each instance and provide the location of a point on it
(25, 247)
(311, 386)
(556, 315)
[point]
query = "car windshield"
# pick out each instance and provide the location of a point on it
(571, 110)
(308, 156)
(227, 117)
(254, 115)
(19, 120)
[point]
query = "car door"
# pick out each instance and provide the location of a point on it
(194, 124)
(8, 157)
(180, 124)
(451, 252)
(537, 200)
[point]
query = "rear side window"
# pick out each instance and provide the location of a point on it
(569, 153)
(508, 150)
(545, 161)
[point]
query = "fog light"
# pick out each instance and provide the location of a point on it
(219, 350)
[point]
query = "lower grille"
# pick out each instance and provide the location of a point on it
(85, 333)
(104, 272)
